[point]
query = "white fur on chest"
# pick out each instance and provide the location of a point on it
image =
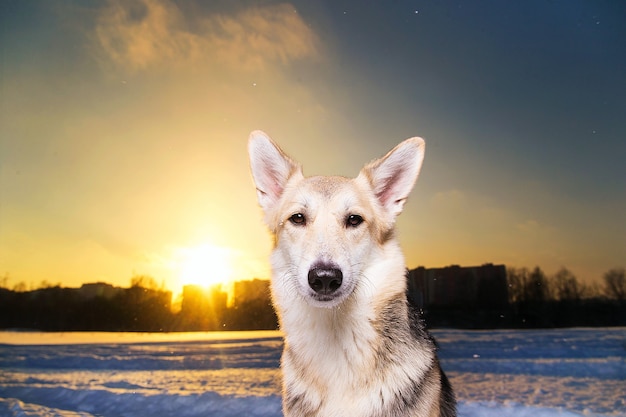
(333, 358)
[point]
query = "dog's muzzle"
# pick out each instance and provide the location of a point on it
(325, 281)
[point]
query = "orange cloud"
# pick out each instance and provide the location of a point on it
(155, 34)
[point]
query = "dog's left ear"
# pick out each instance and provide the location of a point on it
(392, 177)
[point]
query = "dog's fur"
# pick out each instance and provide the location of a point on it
(354, 346)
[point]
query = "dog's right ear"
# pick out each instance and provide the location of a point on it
(392, 177)
(271, 169)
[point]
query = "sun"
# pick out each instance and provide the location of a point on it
(205, 265)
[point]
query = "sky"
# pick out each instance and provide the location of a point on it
(124, 125)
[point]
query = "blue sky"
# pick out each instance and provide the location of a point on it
(123, 128)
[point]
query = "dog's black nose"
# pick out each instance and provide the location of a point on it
(325, 280)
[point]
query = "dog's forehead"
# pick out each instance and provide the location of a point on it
(330, 190)
(327, 186)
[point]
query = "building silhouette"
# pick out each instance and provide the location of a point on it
(98, 289)
(454, 287)
(249, 290)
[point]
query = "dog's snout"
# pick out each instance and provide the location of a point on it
(325, 280)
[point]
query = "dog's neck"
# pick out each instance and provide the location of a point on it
(351, 329)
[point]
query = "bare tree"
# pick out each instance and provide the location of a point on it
(517, 279)
(566, 286)
(615, 284)
(527, 286)
(537, 287)
(144, 281)
(4, 280)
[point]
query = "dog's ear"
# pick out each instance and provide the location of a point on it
(392, 177)
(271, 169)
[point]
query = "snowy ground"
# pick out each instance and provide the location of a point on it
(573, 372)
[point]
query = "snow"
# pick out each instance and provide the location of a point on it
(539, 373)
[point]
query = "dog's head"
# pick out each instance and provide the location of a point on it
(332, 234)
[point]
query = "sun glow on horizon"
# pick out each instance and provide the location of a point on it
(204, 265)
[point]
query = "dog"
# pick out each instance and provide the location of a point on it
(353, 345)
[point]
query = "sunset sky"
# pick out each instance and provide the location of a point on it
(124, 124)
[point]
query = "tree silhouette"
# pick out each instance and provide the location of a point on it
(537, 288)
(528, 286)
(566, 286)
(615, 284)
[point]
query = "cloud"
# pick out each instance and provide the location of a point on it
(140, 35)
(530, 227)
(449, 199)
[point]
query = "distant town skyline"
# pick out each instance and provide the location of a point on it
(123, 130)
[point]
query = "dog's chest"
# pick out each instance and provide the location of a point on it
(336, 373)
(338, 369)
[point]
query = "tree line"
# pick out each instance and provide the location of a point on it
(141, 307)
(534, 300)
(562, 300)
(535, 286)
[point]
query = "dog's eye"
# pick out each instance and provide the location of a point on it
(298, 219)
(354, 220)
